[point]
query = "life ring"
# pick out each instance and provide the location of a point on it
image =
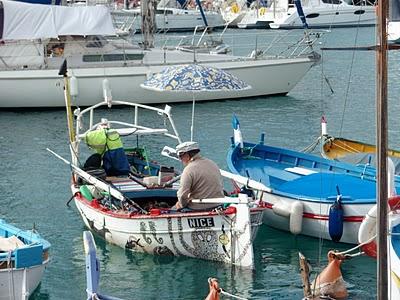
(262, 11)
(367, 231)
(368, 227)
(235, 8)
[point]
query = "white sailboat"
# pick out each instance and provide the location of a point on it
(170, 19)
(322, 13)
(97, 64)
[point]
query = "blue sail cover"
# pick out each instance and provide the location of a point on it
(50, 2)
(182, 3)
(203, 16)
(394, 14)
(301, 13)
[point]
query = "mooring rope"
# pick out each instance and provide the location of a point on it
(312, 146)
(230, 295)
(346, 252)
(10, 275)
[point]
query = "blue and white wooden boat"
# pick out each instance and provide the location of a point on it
(24, 256)
(306, 194)
(93, 269)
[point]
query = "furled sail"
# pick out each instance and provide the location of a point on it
(20, 20)
(301, 13)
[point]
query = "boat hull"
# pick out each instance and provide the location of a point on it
(44, 88)
(174, 20)
(24, 281)
(337, 148)
(203, 235)
(327, 16)
(315, 221)
(302, 188)
(24, 256)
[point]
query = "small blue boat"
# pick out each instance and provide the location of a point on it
(93, 269)
(306, 194)
(24, 256)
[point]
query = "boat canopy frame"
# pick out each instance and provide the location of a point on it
(127, 128)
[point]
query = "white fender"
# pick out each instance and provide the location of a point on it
(368, 226)
(293, 211)
(282, 209)
(107, 90)
(296, 217)
(324, 130)
(73, 86)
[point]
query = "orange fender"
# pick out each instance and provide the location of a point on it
(330, 276)
(214, 289)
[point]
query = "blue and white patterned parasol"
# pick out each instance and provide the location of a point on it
(194, 78)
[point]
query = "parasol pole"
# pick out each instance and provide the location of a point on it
(67, 97)
(192, 126)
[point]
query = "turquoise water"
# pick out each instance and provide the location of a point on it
(35, 185)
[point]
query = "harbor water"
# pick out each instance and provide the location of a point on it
(34, 185)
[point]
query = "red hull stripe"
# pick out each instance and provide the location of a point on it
(353, 219)
(122, 215)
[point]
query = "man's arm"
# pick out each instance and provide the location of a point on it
(184, 189)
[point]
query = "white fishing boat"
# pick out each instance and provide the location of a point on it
(31, 67)
(321, 14)
(127, 198)
(24, 256)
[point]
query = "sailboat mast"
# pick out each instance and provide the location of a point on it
(382, 145)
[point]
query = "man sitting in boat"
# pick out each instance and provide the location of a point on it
(200, 178)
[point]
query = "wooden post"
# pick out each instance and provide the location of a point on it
(305, 275)
(381, 142)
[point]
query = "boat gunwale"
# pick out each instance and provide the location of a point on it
(234, 150)
(138, 216)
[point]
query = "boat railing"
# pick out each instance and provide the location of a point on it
(168, 127)
(289, 44)
(114, 51)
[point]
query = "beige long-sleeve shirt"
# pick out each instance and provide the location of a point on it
(200, 179)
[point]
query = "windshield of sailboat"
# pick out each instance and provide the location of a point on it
(19, 54)
(84, 45)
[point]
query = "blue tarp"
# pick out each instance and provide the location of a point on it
(53, 2)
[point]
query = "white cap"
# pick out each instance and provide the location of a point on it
(186, 147)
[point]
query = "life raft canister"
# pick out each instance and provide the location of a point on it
(336, 220)
(368, 227)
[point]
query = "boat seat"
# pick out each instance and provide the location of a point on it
(300, 171)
